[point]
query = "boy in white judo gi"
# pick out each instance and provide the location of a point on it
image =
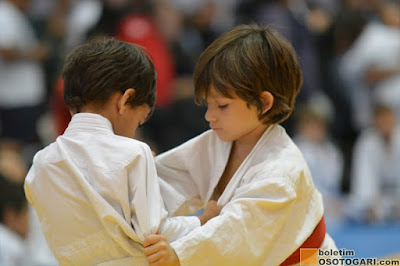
(249, 78)
(95, 189)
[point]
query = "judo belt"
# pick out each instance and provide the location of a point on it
(313, 241)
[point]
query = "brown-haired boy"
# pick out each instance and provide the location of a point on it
(249, 78)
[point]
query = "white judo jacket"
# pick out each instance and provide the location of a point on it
(97, 196)
(271, 208)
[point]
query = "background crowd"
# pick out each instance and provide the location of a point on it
(346, 120)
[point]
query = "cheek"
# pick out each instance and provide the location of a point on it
(248, 117)
(248, 122)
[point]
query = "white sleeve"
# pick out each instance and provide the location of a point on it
(176, 227)
(187, 171)
(260, 226)
(178, 189)
(146, 203)
(148, 211)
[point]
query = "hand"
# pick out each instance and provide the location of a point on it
(210, 211)
(159, 252)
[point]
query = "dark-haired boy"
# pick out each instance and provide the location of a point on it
(95, 189)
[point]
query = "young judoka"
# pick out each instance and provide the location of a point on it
(95, 189)
(249, 78)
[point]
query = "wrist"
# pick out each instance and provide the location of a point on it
(202, 219)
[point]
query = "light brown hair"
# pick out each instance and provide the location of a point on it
(247, 60)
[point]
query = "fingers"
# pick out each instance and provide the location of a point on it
(164, 257)
(154, 244)
(150, 250)
(153, 258)
(152, 239)
(156, 250)
(159, 247)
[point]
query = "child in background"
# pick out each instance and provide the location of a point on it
(324, 158)
(32, 245)
(95, 189)
(14, 222)
(249, 78)
(375, 183)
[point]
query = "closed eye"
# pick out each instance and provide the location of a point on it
(222, 106)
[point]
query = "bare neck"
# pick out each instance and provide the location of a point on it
(247, 142)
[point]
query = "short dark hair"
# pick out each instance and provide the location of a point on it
(247, 60)
(12, 196)
(93, 71)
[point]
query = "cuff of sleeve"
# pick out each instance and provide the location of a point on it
(179, 251)
(177, 227)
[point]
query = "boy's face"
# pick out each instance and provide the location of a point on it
(232, 119)
(132, 118)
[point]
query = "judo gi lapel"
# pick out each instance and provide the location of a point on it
(243, 168)
(219, 153)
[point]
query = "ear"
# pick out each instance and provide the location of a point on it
(267, 100)
(123, 100)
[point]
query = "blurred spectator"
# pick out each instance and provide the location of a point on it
(196, 32)
(324, 158)
(347, 23)
(371, 67)
(181, 121)
(48, 20)
(12, 163)
(347, 26)
(141, 29)
(40, 11)
(82, 15)
(224, 15)
(187, 27)
(22, 79)
(133, 21)
(290, 21)
(375, 193)
(72, 19)
(130, 21)
(21, 239)
(321, 18)
(14, 223)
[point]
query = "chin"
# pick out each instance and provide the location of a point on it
(224, 138)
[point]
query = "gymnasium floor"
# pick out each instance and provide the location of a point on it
(368, 241)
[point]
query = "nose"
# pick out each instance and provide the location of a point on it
(210, 115)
